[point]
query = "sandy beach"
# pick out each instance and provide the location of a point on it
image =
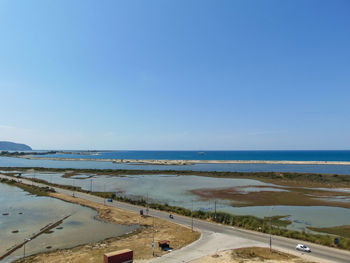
(186, 162)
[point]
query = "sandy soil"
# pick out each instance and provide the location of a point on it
(249, 255)
(140, 241)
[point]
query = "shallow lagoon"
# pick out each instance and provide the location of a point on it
(174, 190)
(80, 228)
(298, 168)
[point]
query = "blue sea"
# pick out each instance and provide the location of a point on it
(325, 155)
(196, 155)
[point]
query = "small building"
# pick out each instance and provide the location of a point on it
(120, 256)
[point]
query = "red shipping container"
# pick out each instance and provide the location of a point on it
(120, 256)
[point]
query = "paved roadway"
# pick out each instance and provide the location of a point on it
(207, 229)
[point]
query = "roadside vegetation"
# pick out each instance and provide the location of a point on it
(337, 230)
(273, 225)
(248, 222)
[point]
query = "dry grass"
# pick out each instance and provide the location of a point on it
(260, 253)
(250, 255)
(343, 231)
(140, 241)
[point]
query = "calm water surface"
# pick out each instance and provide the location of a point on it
(174, 190)
(299, 168)
(80, 228)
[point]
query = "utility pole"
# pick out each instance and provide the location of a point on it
(270, 236)
(147, 204)
(153, 239)
(91, 186)
(104, 193)
(73, 188)
(192, 217)
(215, 210)
(271, 229)
(24, 248)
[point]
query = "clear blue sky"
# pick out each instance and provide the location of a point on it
(175, 74)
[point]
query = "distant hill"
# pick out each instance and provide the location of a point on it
(11, 146)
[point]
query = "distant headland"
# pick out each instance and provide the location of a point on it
(12, 146)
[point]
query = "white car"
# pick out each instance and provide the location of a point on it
(303, 248)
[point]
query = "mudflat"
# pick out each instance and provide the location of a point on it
(292, 196)
(139, 241)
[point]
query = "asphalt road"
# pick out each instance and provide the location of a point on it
(321, 253)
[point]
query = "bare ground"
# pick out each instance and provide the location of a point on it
(250, 255)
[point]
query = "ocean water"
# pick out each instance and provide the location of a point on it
(319, 155)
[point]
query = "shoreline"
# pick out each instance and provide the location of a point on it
(289, 234)
(180, 236)
(279, 178)
(186, 162)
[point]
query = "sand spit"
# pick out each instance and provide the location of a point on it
(187, 162)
